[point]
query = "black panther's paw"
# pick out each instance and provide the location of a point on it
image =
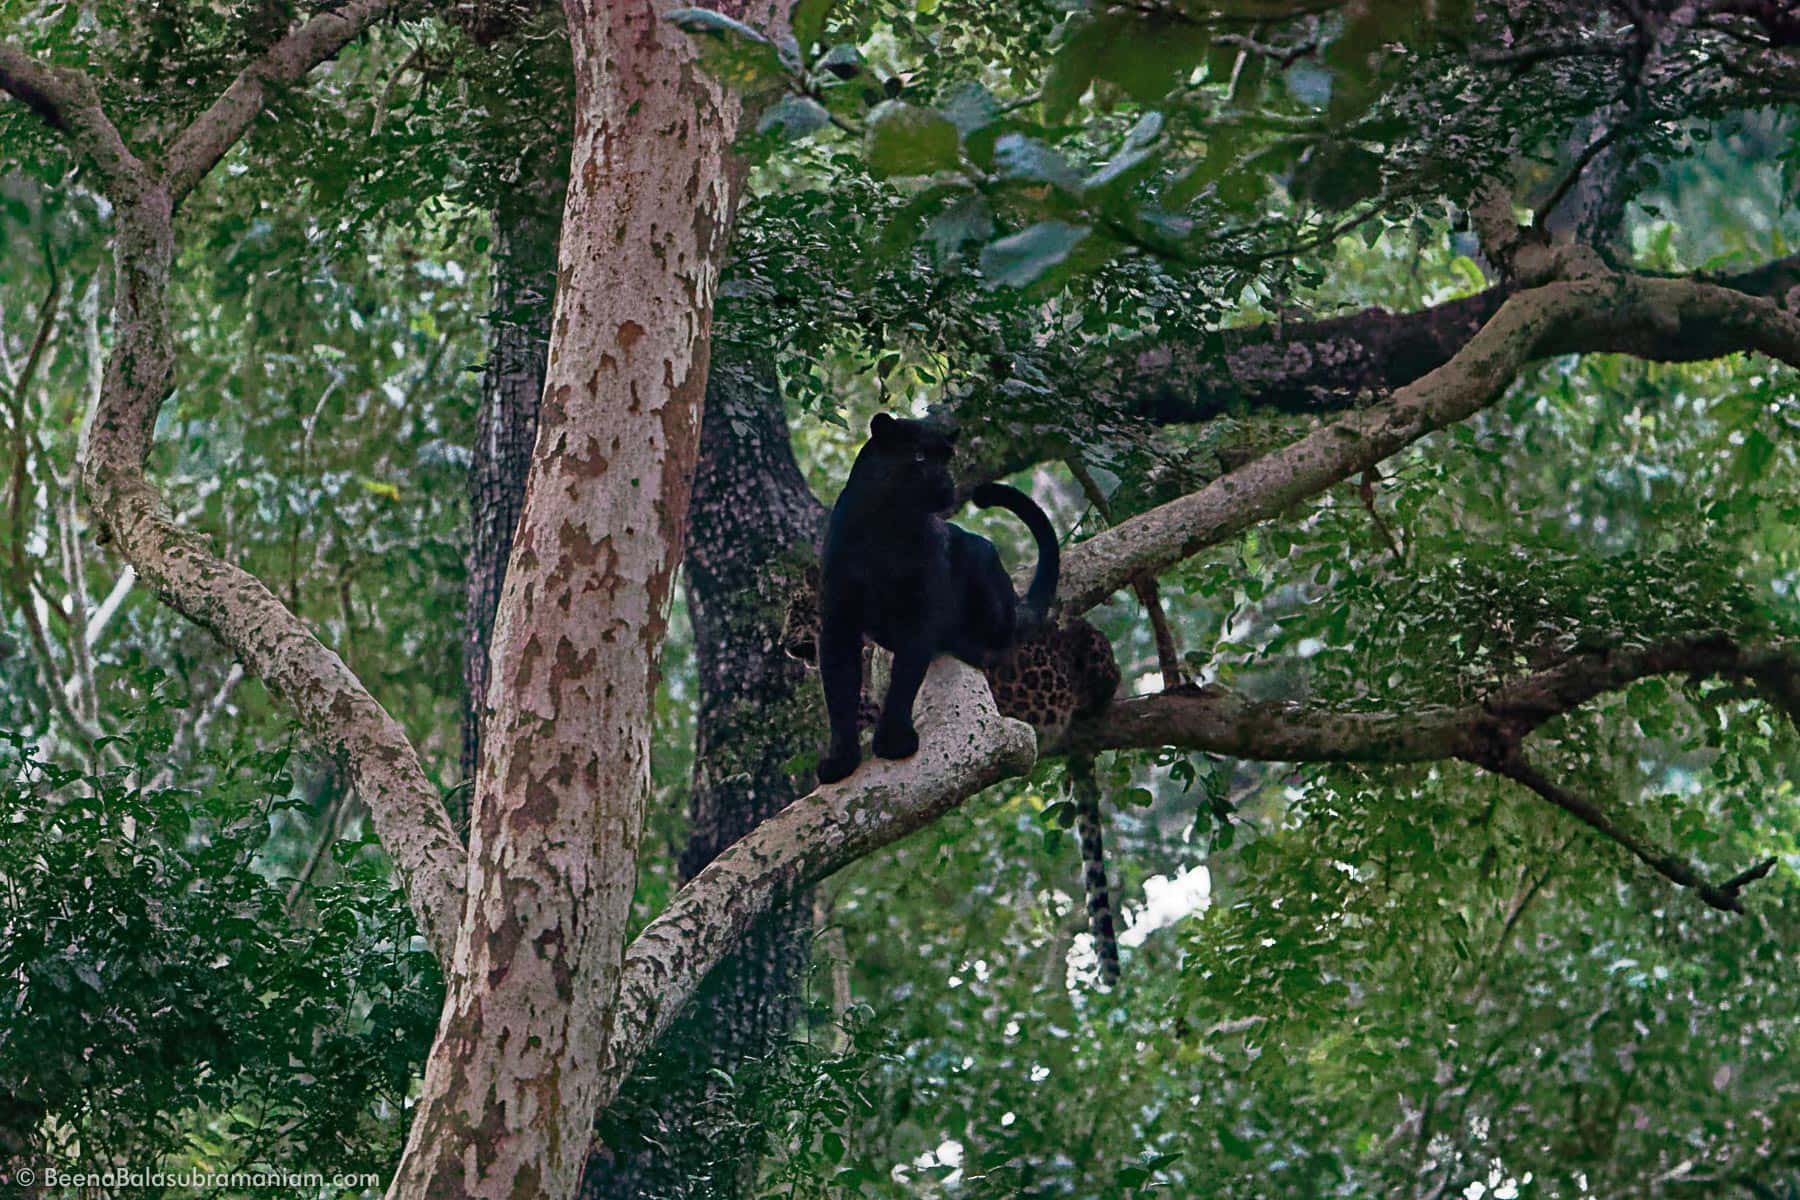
(838, 764)
(902, 742)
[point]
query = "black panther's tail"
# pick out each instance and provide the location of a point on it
(1093, 867)
(1049, 564)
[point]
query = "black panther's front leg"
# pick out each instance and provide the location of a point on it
(840, 668)
(894, 733)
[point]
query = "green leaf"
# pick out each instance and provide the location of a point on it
(970, 219)
(794, 117)
(1123, 170)
(970, 107)
(1148, 57)
(705, 20)
(904, 139)
(1022, 158)
(807, 19)
(1018, 260)
(1232, 1144)
(1072, 70)
(732, 51)
(1758, 452)
(904, 228)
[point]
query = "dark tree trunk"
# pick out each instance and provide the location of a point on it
(753, 524)
(526, 221)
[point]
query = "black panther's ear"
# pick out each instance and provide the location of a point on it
(883, 427)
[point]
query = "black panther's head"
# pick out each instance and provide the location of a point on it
(915, 462)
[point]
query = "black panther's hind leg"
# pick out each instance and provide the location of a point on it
(988, 604)
(894, 733)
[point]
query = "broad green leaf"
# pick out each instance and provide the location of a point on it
(732, 51)
(904, 139)
(1022, 158)
(705, 20)
(969, 107)
(1072, 70)
(807, 19)
(1020, 259)
(794, 117)
(1147, 57)
(970, 219)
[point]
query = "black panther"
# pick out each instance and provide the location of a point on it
(896, 572)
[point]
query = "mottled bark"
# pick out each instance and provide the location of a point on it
(525, 223)
(511, 1088)
(753, 522)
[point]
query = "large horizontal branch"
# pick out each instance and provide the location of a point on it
(965, 745)
(1488, 734)
(1219, 721)
(1725, 897)
(204, 142)
(1604, 312)
(1324, 366)
(1290, 367)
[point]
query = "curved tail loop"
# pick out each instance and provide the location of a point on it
(1042, 591)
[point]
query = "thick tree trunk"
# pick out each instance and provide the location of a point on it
(514, 1079)
(526, 220)
(754, 522)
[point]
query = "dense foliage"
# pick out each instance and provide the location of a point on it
(1340, 979)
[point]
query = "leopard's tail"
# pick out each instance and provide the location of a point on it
(1042, 591)
(1093, 867)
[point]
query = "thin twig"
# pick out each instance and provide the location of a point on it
(1511, 763)
(1582, 162)
(1168, 651)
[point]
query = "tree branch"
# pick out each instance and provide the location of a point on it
(1222, 722)
(1602, 312)
(1668, 864)
(965, 746)
(1298, 368)
(267, 638)
(1487, 734)
(204, 142)
(68, 103)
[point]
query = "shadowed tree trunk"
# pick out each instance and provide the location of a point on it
(528, 139)
(525, 224)
(753, 522)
